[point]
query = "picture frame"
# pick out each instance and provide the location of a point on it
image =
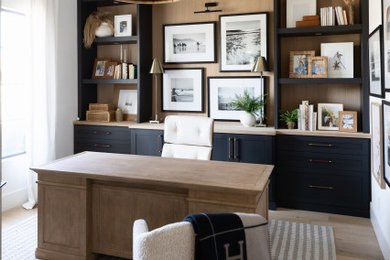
(127, 101)
(377, 144)
(299, 64)
(296, 9)
(340, 59)
(375, 14)
(376, 68)
(99, 68)
(348, 121)
(243, 38)
(386, 42)
(328, 116)
(386, 140)
(189, 43)
(223, 90)
(182, 90)
(318, 67)
(123, 25)
(110, 70)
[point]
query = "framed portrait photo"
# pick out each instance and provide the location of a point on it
(318, 67)
(99, 68)
(123, 25)
(189, 43)
(340, 59)
(110, 70)
(386, 42)
(386, 140)
(377, 144)
(299, 63)
(243, 38)
(182, 90)
(375, 48)
(224, 90)
(328, 116)
(348, 121)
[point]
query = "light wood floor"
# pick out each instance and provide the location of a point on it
(354, 237)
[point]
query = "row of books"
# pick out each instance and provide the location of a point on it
(125, 71)
(330, 15)
(307, 118)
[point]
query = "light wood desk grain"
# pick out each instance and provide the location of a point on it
(89, 201)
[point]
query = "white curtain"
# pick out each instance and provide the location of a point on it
(41, 135)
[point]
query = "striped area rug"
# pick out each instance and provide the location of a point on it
(299, 241)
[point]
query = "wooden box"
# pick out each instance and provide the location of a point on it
(101, 107)
(101, 116)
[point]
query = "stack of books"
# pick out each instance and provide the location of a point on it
(330, 15)
(125, 71)
(309, 21)
(307, 118)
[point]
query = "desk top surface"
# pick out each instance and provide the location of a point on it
(178, 173)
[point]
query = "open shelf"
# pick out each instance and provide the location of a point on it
(116, 40)
(320, 81)
(320, 30)
(110, 81)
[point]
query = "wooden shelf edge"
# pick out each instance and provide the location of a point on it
(321, 30)
(320, 81)
(110, 81)
(116, 40)
(323, 133)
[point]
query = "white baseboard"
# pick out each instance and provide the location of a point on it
(384, 245)
(13, 199)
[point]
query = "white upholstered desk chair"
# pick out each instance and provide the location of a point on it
(188, 137)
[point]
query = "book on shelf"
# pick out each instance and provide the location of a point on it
(329, 16)
(132, 71)
(307, 118)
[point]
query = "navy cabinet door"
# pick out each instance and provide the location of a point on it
(222, 147)
(253, 149)
(147, 142)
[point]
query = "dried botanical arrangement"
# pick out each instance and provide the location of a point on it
(93, 22)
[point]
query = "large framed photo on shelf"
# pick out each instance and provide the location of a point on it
(296, 9)
(190, 43)
(182, 90)
(299, 64)
(375, 47)
(243, 38)
(224, 90)
(386, 42)
(386, 140)
(377, 144)
(127, 101)
(328, 116)
(340, 59)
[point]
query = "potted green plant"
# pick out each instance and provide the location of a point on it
(250, 105)
(289, 118)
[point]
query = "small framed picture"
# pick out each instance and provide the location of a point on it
(348, 121)
(182, 90)
(189, 43)
(296, 9)
(110, 70)
(375, 48)
(99, 68)
(223, 90)
(318, 67)
(123, 25)
(299, 63)
(386, 42)
(340, 59)
(328, 116)
(128, 101)
(243, 38)
(377, 144)
(386, 139)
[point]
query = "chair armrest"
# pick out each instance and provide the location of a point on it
(140, 227)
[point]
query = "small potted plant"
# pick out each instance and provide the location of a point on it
(289, 118)
(250, 105)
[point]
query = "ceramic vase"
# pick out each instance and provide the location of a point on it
(104, 30)
(247, 119)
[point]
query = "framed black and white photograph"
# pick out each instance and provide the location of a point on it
(190, 43)
(386, 140)
(224, 90)
(127, 101)
(340, 59)
(182, 90)
(386, 42)
(123, 25)
(375, 45)
(377, 144)
(243, 38)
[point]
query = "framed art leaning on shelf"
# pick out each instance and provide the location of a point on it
(386, 140)
(375, 48)
(377, 144)
(340, 59)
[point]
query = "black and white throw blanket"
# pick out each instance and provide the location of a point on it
(230, 236)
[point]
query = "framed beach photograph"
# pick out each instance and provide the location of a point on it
(386, 42)
(299, 63)
(182, 90)
(340, 59)
(296, 9)
(375, 48)
(128, 101)
(328, 116)
(243, 38)
(348, 121)
(224, 90)
(377, 144)
(189, 43)
(386, 140)
(123, 25)
(110, 70)
(318, 67)
(99, 68)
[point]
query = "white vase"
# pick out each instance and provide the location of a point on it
(247, 119)
(104, 30)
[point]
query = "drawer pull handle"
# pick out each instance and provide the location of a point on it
(234, 148)
(320, 145)
(102, 145)
(321, 187)
(321, 161)
(160, 141)
(101, 132)
(230, 152)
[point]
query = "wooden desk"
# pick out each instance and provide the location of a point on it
(88, 202)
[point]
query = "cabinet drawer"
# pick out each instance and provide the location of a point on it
(102, 132)
(333, 145)
(99, 145)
